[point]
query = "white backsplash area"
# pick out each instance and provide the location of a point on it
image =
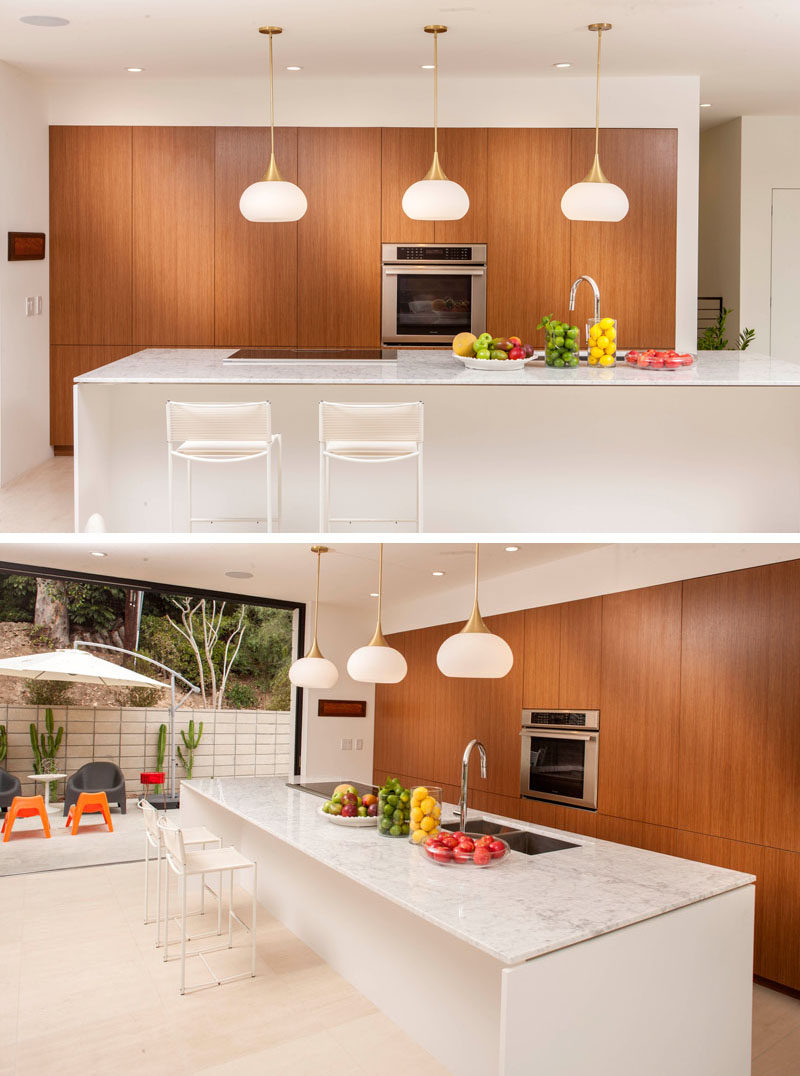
(235, 743)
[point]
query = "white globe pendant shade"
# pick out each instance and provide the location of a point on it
(314, 673)
(376, 664)
(273, 202)
(475, 655)
(435, 199)
(594, 201)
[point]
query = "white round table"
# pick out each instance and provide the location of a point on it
(47, 778)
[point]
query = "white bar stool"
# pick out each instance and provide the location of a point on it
(222, 433)
(189, 864)
(368, 433)
(197, 835)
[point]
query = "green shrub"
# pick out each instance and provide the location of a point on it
(140, 697)
(241, 696)
(281, 690)
(48, 693)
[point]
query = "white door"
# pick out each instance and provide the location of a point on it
(785, 272)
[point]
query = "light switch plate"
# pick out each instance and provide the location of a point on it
(359, 745)
(30, 306)
(347, 745)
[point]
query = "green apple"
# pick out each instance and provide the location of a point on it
(483, 353)
(498, 355)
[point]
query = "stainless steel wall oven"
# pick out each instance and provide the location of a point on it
(560, 756)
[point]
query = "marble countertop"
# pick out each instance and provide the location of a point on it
(521, 909)
(201, 366)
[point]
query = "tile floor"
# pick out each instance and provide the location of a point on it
(85, 990)
(40, 500)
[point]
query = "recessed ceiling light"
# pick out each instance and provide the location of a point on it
(135, 70)
(97, 553)
(512, 549)
(437, 572)
(706, 104)
(426, 67)
(236, 573)
(373, 595)
(44, 20)
(562, 65)
(294, 67)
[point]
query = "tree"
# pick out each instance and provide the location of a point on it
(50, 612)
(204, 628)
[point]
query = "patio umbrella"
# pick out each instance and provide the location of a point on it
(76, 666)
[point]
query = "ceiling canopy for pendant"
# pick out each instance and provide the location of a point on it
(377, 662)
(474, 652)
(272, 199)
(595, 197)
(314, 670)
(435, 197)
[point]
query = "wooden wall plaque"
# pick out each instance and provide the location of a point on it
(25, 246)
(341, 708)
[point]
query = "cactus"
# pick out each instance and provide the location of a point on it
(161, 750)
(3, 743)
(190, 742)
(45, 748)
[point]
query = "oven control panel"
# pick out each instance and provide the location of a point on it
(425, 254)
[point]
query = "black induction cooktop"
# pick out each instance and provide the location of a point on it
(324, 789)
(327, 354)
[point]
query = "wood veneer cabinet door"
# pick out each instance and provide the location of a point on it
(579, 666)
(255, 265)
(541, 659)
(528, 235)
(464, 153)
(724, 726)
(405, 158)
(67, 363)
(90, 235)
(339, 168)
(636, 834)
(640, 704)
(173, 236)
(633, 260)
(778, 939)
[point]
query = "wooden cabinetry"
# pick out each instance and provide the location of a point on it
(633, 260)
(90, 236)
(255, 265)
(640, 704)
(562, 656)
(339, 168)
(173, 236)
(67, 363)
(464, 153)
(528, 235)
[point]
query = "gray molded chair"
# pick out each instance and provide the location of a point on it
(96, 777)
(9, 788)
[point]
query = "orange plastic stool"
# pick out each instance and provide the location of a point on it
(89, 803)
(25, 807)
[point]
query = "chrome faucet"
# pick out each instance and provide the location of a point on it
(593, 283)
(462, 803)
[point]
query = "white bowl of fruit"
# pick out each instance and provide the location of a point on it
(347, 807)
(464, 850)
(487, 352)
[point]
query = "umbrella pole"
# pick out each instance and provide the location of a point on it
(172, 760)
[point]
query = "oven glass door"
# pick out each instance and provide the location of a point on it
(432, 303)
(560, 768)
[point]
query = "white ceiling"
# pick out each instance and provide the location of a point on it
(745, 51)
(285, 571)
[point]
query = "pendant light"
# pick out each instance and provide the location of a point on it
(377, 662)
(314, 670)
(474, 652)
(273, 199)
(595, 198)
(435, 197)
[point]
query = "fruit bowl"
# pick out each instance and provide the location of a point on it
(492, 364)
(444, 856)
(353, 823)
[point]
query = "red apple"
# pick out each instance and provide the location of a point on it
(349, 811)
(515, 340)
(482, 857)
(517, 353)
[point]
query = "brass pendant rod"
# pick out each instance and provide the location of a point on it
(272, 173)
(435, 170)
(475, 624)
(314, 650)
(596, 98)
(378, 638)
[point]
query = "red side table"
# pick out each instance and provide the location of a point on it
(155, 779)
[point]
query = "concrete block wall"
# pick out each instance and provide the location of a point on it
(235, 743)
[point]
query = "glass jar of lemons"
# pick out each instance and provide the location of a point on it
(601, 341)
(426, 812)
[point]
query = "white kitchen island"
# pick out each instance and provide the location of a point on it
(597, 960)
(709, 448)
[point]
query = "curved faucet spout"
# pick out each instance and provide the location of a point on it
(462, 802)
(593, 285)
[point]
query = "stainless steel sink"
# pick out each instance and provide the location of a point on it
(518, 840)
(482, 826)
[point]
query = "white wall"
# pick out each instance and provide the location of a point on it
(515, 101)
(24, 342)
(341, 630)
(720, 213)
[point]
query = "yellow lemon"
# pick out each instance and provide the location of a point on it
(463, 344)
(607, 323)
(416, 814)
(611, 349)
(437, 811)
(427, 823)
(413, 826)
(595, 331)
(595, 352)
(419, 794)
(606, 360)
(602, 341)
(611, 333)
(427, 805)
(419, 836)
(592, 360)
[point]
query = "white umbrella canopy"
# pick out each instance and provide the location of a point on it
(74, 665)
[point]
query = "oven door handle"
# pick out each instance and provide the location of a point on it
(550, 735)
(422, 270)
